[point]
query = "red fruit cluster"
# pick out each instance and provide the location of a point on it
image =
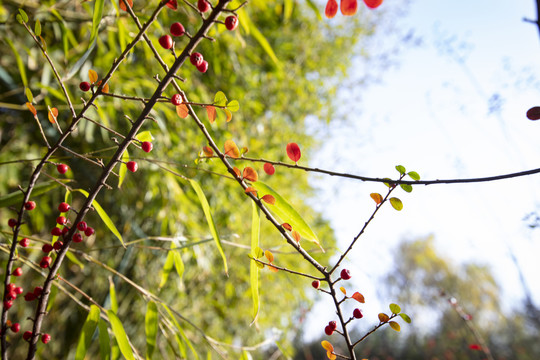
(24, 242)
(330, 328)
(63, 207)
(198, 61)
(12, 223)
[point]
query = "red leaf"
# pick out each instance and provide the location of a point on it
(475, 347)
(296, 235)
(287, 226)
(269, 199)
(358, 297)
(293, 152)
(211, 111)
(372, 4)
(251, 189)
(349, 7)
(250, 174)
(208, 151)
(182, 111)
(172, 4)
(269, 169)
(533, 113)
(331, 9)
(123, 4)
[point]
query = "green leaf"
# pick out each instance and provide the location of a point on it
(396, 203)
(144, 136)
(37, 28)
(17, 197)
(112, 296)
(89, 327)
(104, 217)
(74, 259)
(315, 8)
(104, 341)
(181, 332)
(394, 325)
(29, 95)
(220, 99)
(254, 268)
(20, 64)
(261, 39)
(210, 221)
(177, 258)
(23, 14)
(151, 328)
(52, 297)
(408, 188)
(120, 335)
(233, 106)
(167, 268)
(414, 175)
(395, 309)
(405, 317)
(123, 168)
(287, 9)
(401, 169)
(96, 19)
(287, 213)
(19, 18)
(388, 184)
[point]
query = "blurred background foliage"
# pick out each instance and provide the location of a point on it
(155, 207)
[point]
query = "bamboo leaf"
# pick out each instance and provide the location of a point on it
(151, 328)
(74, 259)
(253, 268)
(261, 39)
(104, 341)
(123, 168)
(112, 296)
(20, 64)
(96, 19)
(87, 332)
(177, 259)
(144, 136)
(120, 335)
(37, 28)
(181, 331)
(166, 270)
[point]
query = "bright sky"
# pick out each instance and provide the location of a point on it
(431, 114)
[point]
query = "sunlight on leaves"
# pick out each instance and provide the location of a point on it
(231, 149)
(92, 75)
(182, 111)
(250, 174)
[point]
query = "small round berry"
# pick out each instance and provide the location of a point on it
(61, 220)
(177, 29)
(345, 274)
(65, 230)
(89, 231)
(11, 287)
(132, 166)
(166, 41)
(30, 205)
(29, 296)
(62, 168)
(84, 86)
(82, 226)
(45, 262)
(12, 295)
(24, 242)
(203, 5)
(27, 335)
(12, 223)
(63, 207)
(328, 330)
(45, 338)
(37, 291)
(8, 304)
(56, 232)
(176, 99)
(231, 22)
(77, 238)
(357, 313)
(47, 248)
(316, 284)
(18, 290)
(196, 58)
(16, 327)
(203, 67)
(147, 146)
(17, 272)
(332, 324)
(58, 245)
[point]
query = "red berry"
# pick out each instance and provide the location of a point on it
(12, 295)
(172, 4)
(63, 207)
(37, 291)
(231, 22)
(62, 168)
(332, 324)
(45, 338)
(177, 29)
(15, 327)
(24, 242)
(196, 58)
(27, 335)
(65, 230)
(58, 245)
(12, 223)
(17, 272)
(357, 313)
(166, 41)
(11, 287)
(345, 274)
(18, 290)
(77, 238)
(47, 248)
(56, 231)
(29, 296)
(61, 220)
(89, 231)
(30, 205)
(8, 304)
(203, 67)
(176, 99)
(132, 166)
(45, 262)
(81, 226)
(84, 86)
(316, 284)
(328, 330)
(203, 5)
(147, 146)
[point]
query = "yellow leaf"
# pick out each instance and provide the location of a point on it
(229, 115)
(343, 290)
(92, 75)
(394, 325)
(376, 197)
(268, 254)
(327, 346)
(31, 108)
(231, 149)
(182, 111)
(383, 317)
(53, 114)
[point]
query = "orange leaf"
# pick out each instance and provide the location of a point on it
(207, 150)
(251, 189)
(296, 235)
(358, 297)
(211, 111)
(272, 269)
(327, 346)
(123, 4)
(31, 108)
(293, 152)
(331, 356)
(237, 172)
(349, 7)
(376, 197)
(229, 115)
(250, 174)
(182, 111)
(383, 317)
(92, 75)
(269, 199)
(172, 4)
(244, 150)
(53, 114)
(331, 9)
(269, 169)
(105, 88)
(231, 149)
(343, 290)
(287, 226)
(372, 4)
(268, 254)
